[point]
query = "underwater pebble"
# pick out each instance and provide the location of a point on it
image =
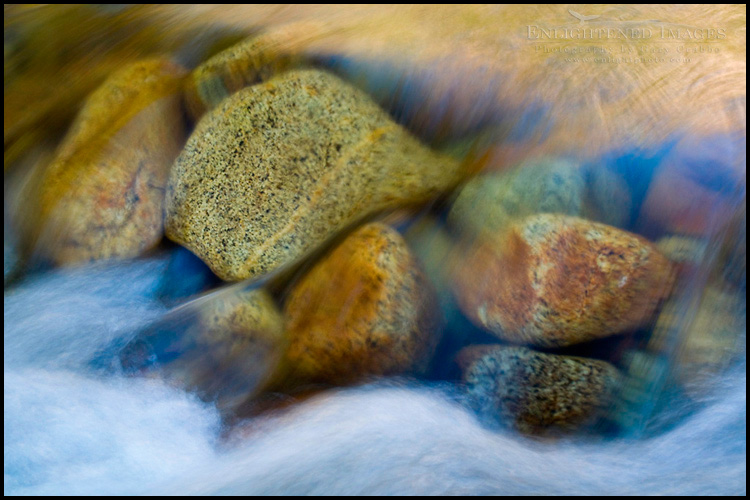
(225, 347)
(365, 309)
(251, 61)
(713, 338)
(102, 196)
(545, 185)
(279, 168)
(536, 392)
(554, 280)
(490, 202)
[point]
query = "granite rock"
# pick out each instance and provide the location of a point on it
(251, 61)
(534, 392)
(365, 309)
(226, 346)
(544, 185)
(555, 280)
(102, 196)
(279, 168)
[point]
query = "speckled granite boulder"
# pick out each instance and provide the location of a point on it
(225, 346)
(536, 392)
(365, 309)
(102, 196)
(555, 280)
(280, 167)
(545, 185)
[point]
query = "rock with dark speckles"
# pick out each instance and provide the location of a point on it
(365, 309)
(534, 392)
(555, 280)
(102, 196)
(279, 168)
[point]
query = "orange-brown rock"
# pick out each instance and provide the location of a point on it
(365, 309)
(554, 280)
(103, 194)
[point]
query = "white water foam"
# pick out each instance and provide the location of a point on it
(71, 428)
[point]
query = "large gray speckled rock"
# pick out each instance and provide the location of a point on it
(533, 391)
(279, 168)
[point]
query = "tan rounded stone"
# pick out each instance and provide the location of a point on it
(536, 392)
(554, 280)
(365, 309)
(251, 61)
(102, 196)
(279, 168)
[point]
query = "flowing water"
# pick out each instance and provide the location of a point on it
(76, 423)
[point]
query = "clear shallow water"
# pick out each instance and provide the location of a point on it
(73, 428)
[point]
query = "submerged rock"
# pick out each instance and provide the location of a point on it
(714, 338)
(365, 309)
(251, 61)
(490, 202)
(102, 196)
(608, 198)
(225, 347)
(533, 391)
(554, 280)
(279, 168)
(544, 185)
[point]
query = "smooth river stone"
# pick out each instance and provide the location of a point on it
(489, 202)
(534, 392)
(102, 196)
(554, 280)
(714, 338)
(365, 309)
(226, 346)
(279, 168)
(251, 61)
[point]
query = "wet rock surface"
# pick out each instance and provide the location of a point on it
(225, 347)
(280, 167)
(365, 309)
(254, 60)
(714, 337)
(545, 185)
(553, 280)
(102, 196)
(490, 202)
(533, 391)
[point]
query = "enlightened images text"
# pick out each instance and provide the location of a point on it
(534, 32)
